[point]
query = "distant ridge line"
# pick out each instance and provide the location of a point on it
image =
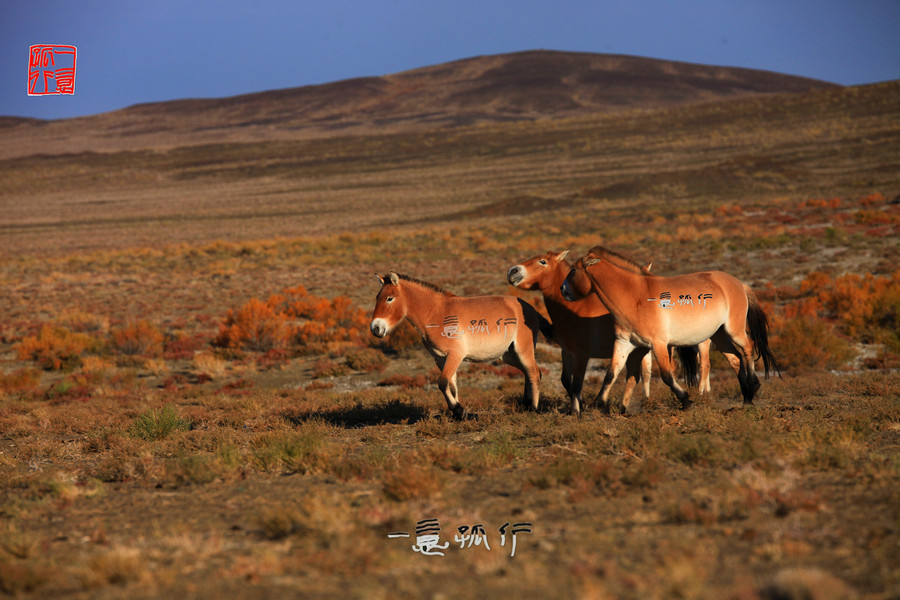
(528, 85)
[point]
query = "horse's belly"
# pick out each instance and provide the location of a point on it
(691, 331)
(483, 350)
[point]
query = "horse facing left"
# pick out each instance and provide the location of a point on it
(454, 329)
(649, 318)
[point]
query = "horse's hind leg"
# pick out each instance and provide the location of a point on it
(621, 350)
(738, 350)
(667, 372)
(523, 359)
(703, 349)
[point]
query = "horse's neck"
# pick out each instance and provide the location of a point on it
(423, 306)
(616, 286)
(551, 291)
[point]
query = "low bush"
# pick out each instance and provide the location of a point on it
(805, 344)
(55, 348)
(20, 380)
(366, 359)
(296, 320)
(138, 338)
(257, 325)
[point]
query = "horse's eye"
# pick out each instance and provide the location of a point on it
(542, 262)
(390, 299)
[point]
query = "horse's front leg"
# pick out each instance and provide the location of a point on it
(637, 367)
(567, 368)
(577, 367)
(447, 382)
(621, 350)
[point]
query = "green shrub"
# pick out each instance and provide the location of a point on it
(158, 424)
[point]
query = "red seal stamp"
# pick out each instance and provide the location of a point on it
(51, 69)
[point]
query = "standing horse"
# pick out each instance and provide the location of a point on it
(585, 329)
(653, 313)
(582, 329)
(455, 329)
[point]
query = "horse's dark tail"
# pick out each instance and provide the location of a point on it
(758, 328)
(690, 364)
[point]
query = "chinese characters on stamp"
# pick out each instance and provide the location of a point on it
(51, 69)
(428, 536)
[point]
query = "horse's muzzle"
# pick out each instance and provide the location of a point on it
(566, 292)
(378, 328)
(515, 276)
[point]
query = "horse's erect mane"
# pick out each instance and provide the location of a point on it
(419, 282)
(616, 258)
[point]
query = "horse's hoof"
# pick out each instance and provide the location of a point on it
(686, 403)
(459, 413)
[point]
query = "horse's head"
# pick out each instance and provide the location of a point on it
(390, 306)
(536, 272)
(577, 284)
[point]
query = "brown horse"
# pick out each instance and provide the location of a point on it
(585, 329)
(455, 329)
(582, 329)
(654, 313)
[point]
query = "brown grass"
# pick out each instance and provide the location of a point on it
(173, 468)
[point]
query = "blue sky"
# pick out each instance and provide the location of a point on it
(133, 52)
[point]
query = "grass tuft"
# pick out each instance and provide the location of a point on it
(158, 424)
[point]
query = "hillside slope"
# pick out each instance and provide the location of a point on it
(521, 86)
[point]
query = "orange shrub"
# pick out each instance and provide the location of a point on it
(872, 199)
(826, 310)
(309, 322)
(20, 380)
(322, 320)
(832, 203)
(55, 348)
(808, 343)
(866, 305)
(138, 338)
(256, 326)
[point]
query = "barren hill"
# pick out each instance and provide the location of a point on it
(521, 86)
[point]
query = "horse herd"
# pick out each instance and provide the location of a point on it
(602, 306)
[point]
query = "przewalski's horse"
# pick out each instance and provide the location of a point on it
(585, 329)
(653, 313)
(455, 329)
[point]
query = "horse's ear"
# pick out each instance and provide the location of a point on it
(379, 278)
(646, 268)
(395, 279)
(562, 255)
(590, 261)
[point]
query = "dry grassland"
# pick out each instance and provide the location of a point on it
(191, 405)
